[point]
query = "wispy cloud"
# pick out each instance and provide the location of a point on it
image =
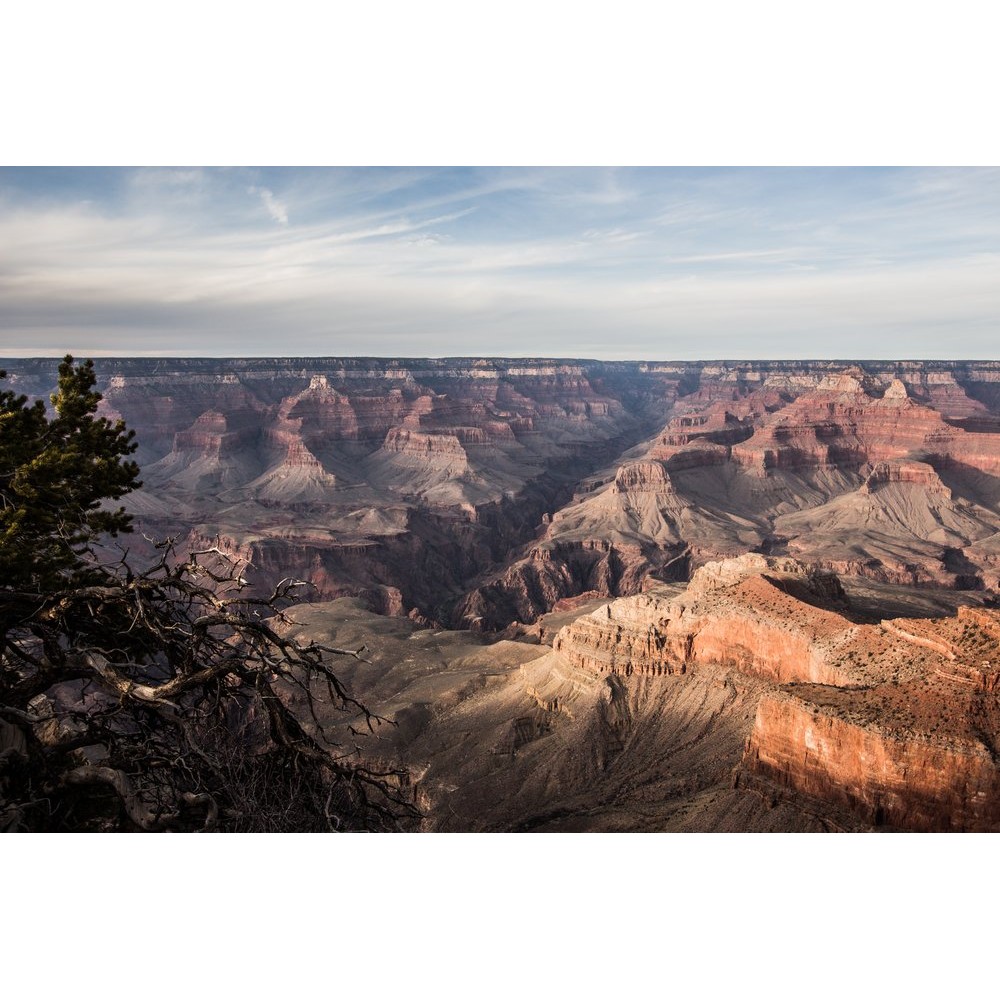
(782, 253)
(637, 263)
(275, 208)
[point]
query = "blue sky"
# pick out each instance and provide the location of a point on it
(566, 262)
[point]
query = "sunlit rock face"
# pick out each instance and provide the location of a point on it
(760, 696)
(748, 612)
(896, 721)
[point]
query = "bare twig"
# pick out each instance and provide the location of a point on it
(176, 683)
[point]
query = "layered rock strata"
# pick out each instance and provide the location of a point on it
(853, 470)
(747, 612)
(484, 491)
(897, 722)
(750, 700)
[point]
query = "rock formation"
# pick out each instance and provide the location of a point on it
(854, 470)
(750, 612)
(897, 722)
(751, 699)
(522, 483)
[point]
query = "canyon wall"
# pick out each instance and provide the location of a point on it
(483, 491)
(898, 722)
(887, 472)
(752, 699)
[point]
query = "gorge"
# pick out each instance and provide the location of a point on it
(616, 595)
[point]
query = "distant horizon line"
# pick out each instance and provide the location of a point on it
(494, 358)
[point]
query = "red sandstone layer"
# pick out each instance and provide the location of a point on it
(898, 722)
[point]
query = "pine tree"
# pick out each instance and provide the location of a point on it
(56, 476)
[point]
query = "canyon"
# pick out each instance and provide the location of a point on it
(478, 492)
(615, 595)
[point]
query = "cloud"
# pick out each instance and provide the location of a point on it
(783, 253)
(275, 208)
(614, 235)
(625, 264)
(168, 176)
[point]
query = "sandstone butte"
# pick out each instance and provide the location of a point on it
(897, 721)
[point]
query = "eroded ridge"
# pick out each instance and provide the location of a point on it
(897, 721)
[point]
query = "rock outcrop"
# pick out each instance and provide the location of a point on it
(750, 700)
(747, 612)
(898, 722)
(890, 776)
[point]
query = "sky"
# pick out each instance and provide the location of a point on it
(608, 263)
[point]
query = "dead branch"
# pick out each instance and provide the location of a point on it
(175, 684)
